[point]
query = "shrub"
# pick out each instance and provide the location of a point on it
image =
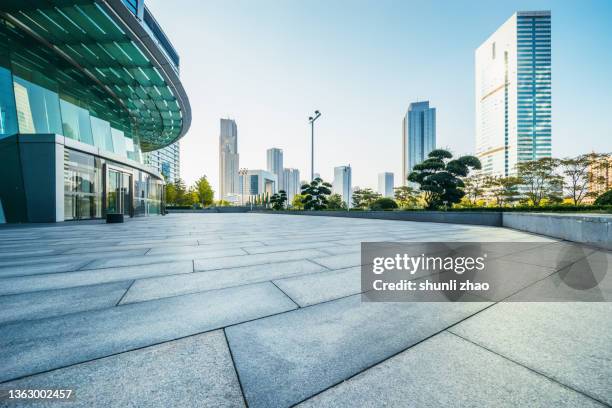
(383, 203)
(604, 199)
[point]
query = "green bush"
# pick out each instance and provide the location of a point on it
(383, 203)
(525, 208)
(604, 199)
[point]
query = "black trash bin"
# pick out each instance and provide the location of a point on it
(114, 218)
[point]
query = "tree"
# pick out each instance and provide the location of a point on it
(406, 196)
(204, 191)
(576, 172)
(335, 202)
(383, 203)
(604, 199)
(540, 180)
(296, 203)
(315, 194)
(176, 193)
(170, 193)
(474, 187)
(278, 200)
(439, 177)
(364, 197)
(504, 190)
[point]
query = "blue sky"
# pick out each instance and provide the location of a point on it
(269, 64)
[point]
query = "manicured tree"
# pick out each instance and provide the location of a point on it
(364, 197)
(406, 196)
(439, 177)
(278, 200)
(540, 179)
(315, 194)
(383, 203)
(335, 202)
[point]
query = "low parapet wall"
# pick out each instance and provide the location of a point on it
(592, 229)
(489, 218)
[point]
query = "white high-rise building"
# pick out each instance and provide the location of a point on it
(342, 184)
(291, 180)
(166, 160)
(228, 159)
(513, 93)
(274, 160)
(385, 184)
(256, 183)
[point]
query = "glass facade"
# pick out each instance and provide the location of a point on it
(89, 181)
(534, 86)
(41, 94)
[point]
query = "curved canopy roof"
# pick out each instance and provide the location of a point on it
(108, 44)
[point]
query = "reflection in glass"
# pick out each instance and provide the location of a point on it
(8, 115)
(102, 134)
(37, 108)
(118, 142)
(75, 122)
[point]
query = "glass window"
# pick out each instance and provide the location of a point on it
(119, 142)
(75, 122)
(102, 134)
(37, 108)
(82, 186)
(8, 115)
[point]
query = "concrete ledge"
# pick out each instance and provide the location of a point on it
(211, 210)
(592, 229)
(489, 218)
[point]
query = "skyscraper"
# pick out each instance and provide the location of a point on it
(166, 160)
(418, 136)
(274, 160)
(513, 93)
(228, 159)
(291, 180)
(385, 184)
(342, 184)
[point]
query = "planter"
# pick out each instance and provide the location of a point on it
(114, 218)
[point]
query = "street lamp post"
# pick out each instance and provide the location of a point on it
(311, 120)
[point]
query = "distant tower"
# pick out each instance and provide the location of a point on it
(342, 184)
(228, 159)
(291, 180)
(274, 159)
(418, 136)
(385, 184)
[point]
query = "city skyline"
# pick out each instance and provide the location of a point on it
(366, 117)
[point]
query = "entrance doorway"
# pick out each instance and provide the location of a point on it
(118, 192)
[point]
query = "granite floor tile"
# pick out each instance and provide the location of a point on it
(35, 346)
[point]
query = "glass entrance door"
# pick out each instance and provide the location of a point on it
(118, 192)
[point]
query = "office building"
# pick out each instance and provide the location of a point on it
(228, 159)
(385, 184)
(513, 94)
(342, 184)
(274, 161)
(85, 88)
(166, 161)
(291, 180)
(256, 183)
(418, 136)
(600, 178)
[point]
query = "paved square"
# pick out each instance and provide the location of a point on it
(264, 310)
